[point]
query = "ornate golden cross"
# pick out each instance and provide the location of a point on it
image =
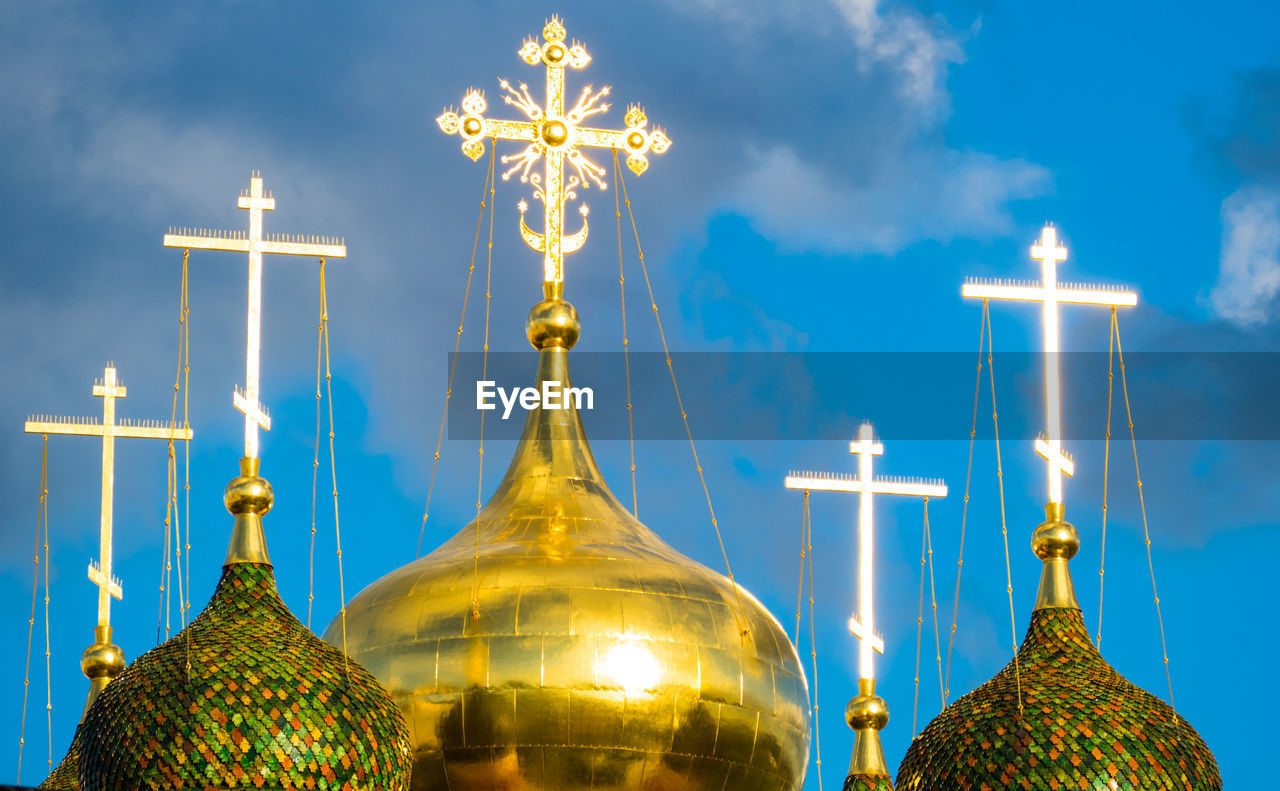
(556, 136)
(108, 389)
(255, 244)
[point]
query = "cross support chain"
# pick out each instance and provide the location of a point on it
(108, 389)
(556, 135)
(866, 485)
(255, 243)
(1050, 293)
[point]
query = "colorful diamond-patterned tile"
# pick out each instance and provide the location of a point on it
(245, 697)
(1083, 726)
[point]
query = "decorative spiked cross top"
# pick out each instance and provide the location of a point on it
(556, 136)
(255, 244)
(1050, 293)
(866, 485)
(108, 389)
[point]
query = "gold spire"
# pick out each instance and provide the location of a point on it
(867, 714)
(1056, 542)
(556, 135)
(101, 662)
(248, 497)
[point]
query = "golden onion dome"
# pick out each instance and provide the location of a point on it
(1082, 725)
(245, 696)
(558, 643)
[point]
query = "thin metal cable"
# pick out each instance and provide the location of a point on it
(184, 577)
(171, 512)
(333, 470)
(315, 464)
(915, 705)
(626, 353)
(804, 537)
(813, 645)
(1106, 470)
(35, 587)
(457, 344)
(163, 612)
(1004, 528)
(926, 553)
(1142, 503)
(48, 673)
(484, 372)
(666, 351)
(933, 597)
(964, 514)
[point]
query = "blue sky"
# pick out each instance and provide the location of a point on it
(839, 167)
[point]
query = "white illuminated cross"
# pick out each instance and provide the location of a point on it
(108, 389)
(255, 244)
(866, 485)
(1049, 293)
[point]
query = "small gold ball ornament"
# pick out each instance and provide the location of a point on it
(555, 133)
(554, 53)
(102, 660)
(248, 494)
(472, 126)
(867, 711)
(552, 323)
(1055, 538)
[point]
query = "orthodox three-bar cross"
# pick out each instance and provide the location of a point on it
(255, 244)
(1049, 292)
(108, 389)
(866, 486)
(554, 135)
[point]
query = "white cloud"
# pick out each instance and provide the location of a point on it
(908, 43)
(878, 176)
(922, 194)
(1249, 265)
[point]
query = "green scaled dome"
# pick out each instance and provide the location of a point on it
(1083, 725)
(66, 776)
(244, 697)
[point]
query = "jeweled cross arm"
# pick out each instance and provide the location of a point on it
(556, 136)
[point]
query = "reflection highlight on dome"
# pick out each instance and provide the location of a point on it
(630, 665)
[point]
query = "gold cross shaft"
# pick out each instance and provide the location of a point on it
(554, 135)
(108, 389)
(255, 244)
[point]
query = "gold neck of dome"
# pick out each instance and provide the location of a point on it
(867, 714)
(1055, 542)
(101, 662)
(248, 497)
